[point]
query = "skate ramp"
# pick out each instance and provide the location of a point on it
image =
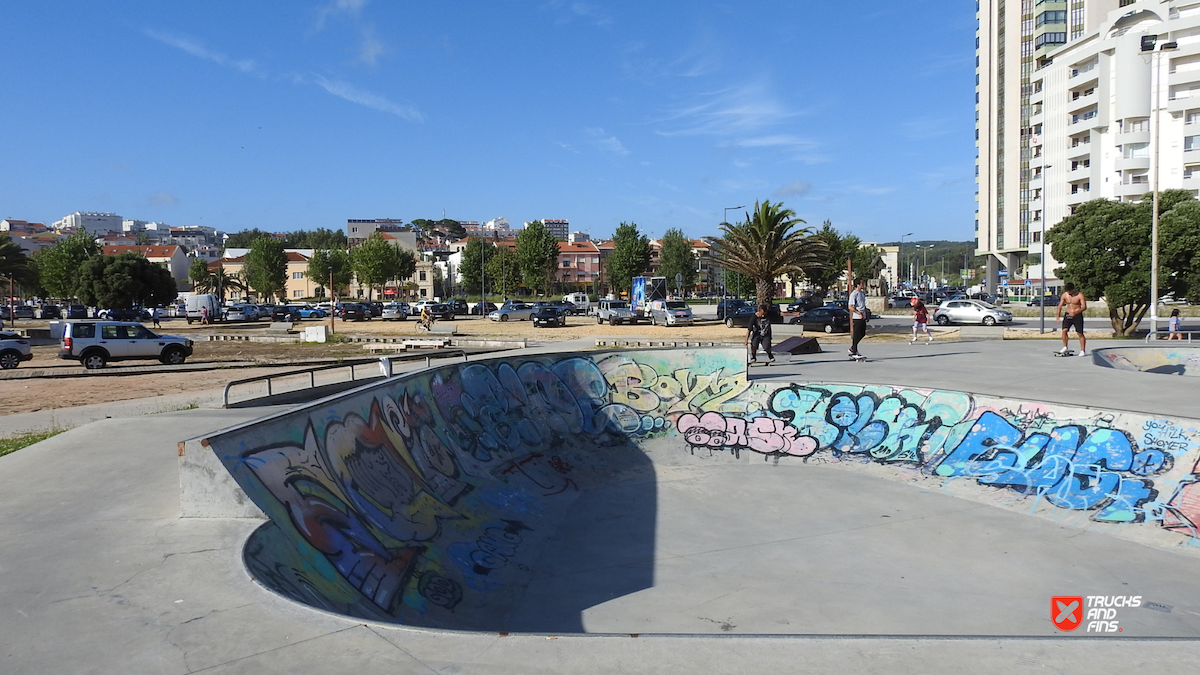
(1160, 360)
(663, 491)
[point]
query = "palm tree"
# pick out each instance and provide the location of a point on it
(769, 245)
(14, 264)
(222, 281)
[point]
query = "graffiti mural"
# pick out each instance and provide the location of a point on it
(427, 498)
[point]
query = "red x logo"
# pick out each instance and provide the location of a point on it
(1066, 611)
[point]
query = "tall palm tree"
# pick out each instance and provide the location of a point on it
(222, 281)
(14, 264)
(768, 245)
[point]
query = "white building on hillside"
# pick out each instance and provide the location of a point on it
(96, 223)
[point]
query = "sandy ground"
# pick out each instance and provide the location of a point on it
(31, 395)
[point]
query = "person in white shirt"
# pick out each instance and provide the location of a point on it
(858, 315)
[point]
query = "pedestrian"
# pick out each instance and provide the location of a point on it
(920, 320)
(1173, 326)
(858, 316)
(154, 317)
(758, 332)
(203, 316)
(1073, 302)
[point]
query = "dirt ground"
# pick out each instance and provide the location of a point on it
(31, 395)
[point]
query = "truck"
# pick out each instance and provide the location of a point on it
(643, 291)
(194, 303)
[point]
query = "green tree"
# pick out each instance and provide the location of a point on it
(839, 247)
(630, 256)
(475, 257)
(15, 265)
(58, 266)
(199, 273)
(125, 280)
(677, 257)
(375, 262)
(318, 238)
(221, 282)
(265, 269)
(537, 254)
(246, 238)
(738, 285)
(769, 245)
(331, 261)
(503, 272)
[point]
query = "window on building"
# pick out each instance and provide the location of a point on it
(1140, 124)
(1191, 142)
(1052, 16)
(297, 275)
(1193, 116)
(297, 294)
(423, 293)
(1050, 39)
(422, 276)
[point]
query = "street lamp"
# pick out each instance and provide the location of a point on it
(925, 262)
(1154, 133)
(1042, 300)
(900, 256)
(725, 221)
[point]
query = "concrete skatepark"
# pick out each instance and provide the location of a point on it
(530, 513)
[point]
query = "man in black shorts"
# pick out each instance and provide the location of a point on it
(1075, 304)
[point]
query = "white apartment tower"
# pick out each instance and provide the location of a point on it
(1011, 38)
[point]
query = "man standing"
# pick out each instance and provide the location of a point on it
(858, 316)
(759, 332)
(1075, 305)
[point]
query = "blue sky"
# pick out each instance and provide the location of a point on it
(297, 115)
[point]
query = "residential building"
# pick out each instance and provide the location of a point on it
(96, 223)
(359, 230)
(297, 286)
(21, 227)
(1012, 37)
(579, 265)
(171, 257)
(707, 273)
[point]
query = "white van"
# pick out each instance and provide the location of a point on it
(582, 304)
(195, 303)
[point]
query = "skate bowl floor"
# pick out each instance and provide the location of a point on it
(1160, 360)
(661, 492)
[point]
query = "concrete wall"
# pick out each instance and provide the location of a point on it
(425, 499)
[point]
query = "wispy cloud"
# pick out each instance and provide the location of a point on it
(198, 50)
(336, 8)
(796, 188)
(162, 198)
(349, 92)
(370, 47)
(609, 144)
(579, 10)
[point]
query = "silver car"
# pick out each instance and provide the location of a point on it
(670, 313)
(515, 311)
(970, 311)
(614, 312)
(395, 311)
(14, 348)
(242, 313)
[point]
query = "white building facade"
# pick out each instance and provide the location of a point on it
(96, 223)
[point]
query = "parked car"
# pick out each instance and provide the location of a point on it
(804, 304)
(352, 311)
(135, 314)
(564, 305)
(827, 319)
(670, 313)
(482, 308)
(513, 310)
(740, 316)
(549, 315)
(1046, 300)
(458, 305)
(285, 313)
(96, 343)
(51, 312)
(14, 348)
(845, 304)
(730, 306)
(310, 312)
(18, 312)
(971, 311)
(581, 302)
(76, 312)
(195, 306)
(441, 311)
(395, 311)
(615, 312)
(241, 313)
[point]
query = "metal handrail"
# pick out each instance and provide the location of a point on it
(1154, 333)
(312, 380)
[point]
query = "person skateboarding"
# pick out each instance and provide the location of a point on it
(920, 319)
(857, 305)
(1074, 304)
(758, 332)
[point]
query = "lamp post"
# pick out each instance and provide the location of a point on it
(925, 262)
(1154, 134)
(1042, 264)
(900, 256)
(725, 221)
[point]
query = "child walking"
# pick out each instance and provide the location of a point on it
(920, 320)
(1173, 326)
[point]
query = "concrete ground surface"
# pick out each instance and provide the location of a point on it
(98, 574)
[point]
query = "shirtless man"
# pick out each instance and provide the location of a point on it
(1075, 304)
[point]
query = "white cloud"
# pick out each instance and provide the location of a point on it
(370, 48)
(198, 50)
(349, 92)
(336, 7)
(582, 10)
(796, 188)
(162, 198)
(606, 143)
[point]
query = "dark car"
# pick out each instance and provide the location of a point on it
(285, 313)
(18, 312)
(805, 303)
(827, 319)
(568, 307)
(845, 304)
(730, 306)
(441, 311)
(352, 311)
(51, 312)
(745, 313)
(1046, 300)
(458, 305)
(76, 312)
(376, 308)
(549, 314)
(135, 314)
(488, 308)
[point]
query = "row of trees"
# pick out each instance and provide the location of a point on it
(531, 262)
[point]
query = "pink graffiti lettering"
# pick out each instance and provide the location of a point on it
(766, 435)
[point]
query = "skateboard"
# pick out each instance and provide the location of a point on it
(1067, 353)
(858, 358)
(750, 362)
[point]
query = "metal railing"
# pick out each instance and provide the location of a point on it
(352, 365)
(1153, 335)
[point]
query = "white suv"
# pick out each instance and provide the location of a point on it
(95, 343)
(14, 348)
